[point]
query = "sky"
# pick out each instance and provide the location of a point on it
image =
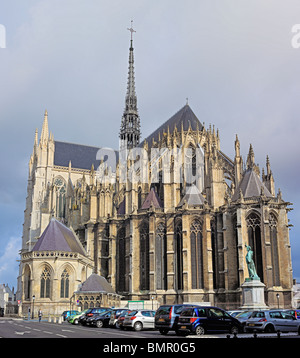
(237, 62)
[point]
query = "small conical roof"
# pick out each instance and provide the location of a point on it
(152, 199)
(193, 197)
(58, 237)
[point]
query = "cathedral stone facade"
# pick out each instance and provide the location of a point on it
(166, 218)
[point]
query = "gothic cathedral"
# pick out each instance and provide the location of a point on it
(167, 217)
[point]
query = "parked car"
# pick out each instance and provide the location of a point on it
(166, 317)
(139, 319)
(115, 314)
(99, 320)
(199, 320)
(272, 321)
(66, 314)
(234, 313)
(90, 312)
(74, 319)
(243, 317)
(121, 318)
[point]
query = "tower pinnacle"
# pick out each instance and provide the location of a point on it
(130, 125)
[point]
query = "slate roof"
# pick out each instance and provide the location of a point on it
(81, 156)
(96, 283)
(251, 186)
(58, 237)
(193, 197)
(184, 116)
(152, 198)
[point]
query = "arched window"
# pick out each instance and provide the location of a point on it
(196, 254)
(254, 240)
(274, 249)
(27, 283)
(61, 190)
(161, 257)
(64, 284)
(144, 257)
(45, 283)
(121, 269)
(179, 261)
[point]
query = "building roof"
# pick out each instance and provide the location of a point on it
(152, 199)
(185, 117)
(96, 283)
(193, 197)
(251, 186)
(58, 237)
(81, 156)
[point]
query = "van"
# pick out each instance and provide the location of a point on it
(166, 317)
(199, 320)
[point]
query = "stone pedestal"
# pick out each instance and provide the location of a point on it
(253, 295)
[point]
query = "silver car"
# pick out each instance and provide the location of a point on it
(272, 321)
(139, 319)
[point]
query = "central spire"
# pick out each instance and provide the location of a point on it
(130, 125)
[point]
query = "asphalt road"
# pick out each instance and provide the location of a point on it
(18, 328)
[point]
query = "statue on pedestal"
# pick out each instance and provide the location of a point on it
(251, 266)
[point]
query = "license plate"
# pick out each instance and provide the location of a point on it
(251, 324)
(161, 320)
(183, 327)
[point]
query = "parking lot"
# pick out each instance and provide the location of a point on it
(18, 328)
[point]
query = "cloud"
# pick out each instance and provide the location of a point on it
(8, 265)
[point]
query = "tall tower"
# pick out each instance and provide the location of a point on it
(130, 125)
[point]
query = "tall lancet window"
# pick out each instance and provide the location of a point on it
(197, 254)
(179, 258)
(274, 249)
(161, 257)
(45, 283)
(60, 186)
(144, 257)
(64, 284)
(254, 240)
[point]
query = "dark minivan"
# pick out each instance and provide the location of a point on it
(199, 320)
(166, 317)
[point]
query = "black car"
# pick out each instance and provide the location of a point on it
(166, 317)
(199, 320)
(100, 319)
(90, 313)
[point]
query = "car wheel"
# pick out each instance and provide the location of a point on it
(99, 323)
(199, 331)
(269, 329)
(75, 321)
(138, 326)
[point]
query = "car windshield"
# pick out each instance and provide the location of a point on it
(243, 314)
(132, 313)
(164, 310)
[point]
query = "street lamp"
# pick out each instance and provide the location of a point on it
(33, 298)
(277, 295)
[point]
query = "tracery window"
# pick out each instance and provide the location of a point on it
(254, 240)
(61, 190)
(45, 283)
(274, 249)
(144, 257)
(179, 258)
(64, 284)
(161, 257)
(196, 254)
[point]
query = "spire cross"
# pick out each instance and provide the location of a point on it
(131, 29)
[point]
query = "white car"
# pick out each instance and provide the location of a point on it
(139, 319)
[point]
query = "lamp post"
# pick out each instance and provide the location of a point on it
(33, 298)
(277, 296)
